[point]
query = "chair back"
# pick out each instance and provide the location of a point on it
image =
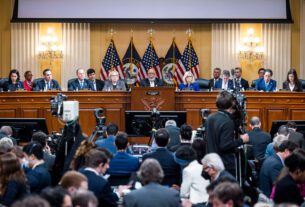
(204, 84)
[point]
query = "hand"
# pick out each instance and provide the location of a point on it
(245, 138)
(176, 187)
(122, 189)
(186, 203)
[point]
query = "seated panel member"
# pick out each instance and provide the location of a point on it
(114, 84)
(225, 83)
(292, 83)
(239, 82)
(260, 73)
(152, 80)
(189, 82)
(28, 83)
(47, 83)
(266, 84)
(98, 85)
(216, 75)
(80, 83)
(13, 83)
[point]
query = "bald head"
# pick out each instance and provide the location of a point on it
(255, 122)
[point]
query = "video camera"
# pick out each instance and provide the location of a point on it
(201, 131)
(100, 120)
(65, 110)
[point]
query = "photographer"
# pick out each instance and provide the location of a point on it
(220, 132)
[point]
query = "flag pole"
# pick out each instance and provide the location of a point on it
(174, 60)
(112, 48)
(151, 51)
(189, 32)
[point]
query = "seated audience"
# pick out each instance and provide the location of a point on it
(189, 82)
(292, 82)
(41, 138)
(287, 190)
(193, 185)
(199, 146)
(266, 84)
(37, 175)
(80, 83)
(73, 181)
(216, 78)
(98, 85)
(13, 83)
(47, 83)
(151, 80)
(272, 147)
(122, 163)
(238, 82)
(113, 83)
(78, 161)
(57, 196)
(84, 199)
(171, 169)
(225, 83)
(273, 165)
(108, 143)
(185, 137)
(7, 131)
(28, 83)
(228, 194)
(6, 145)
(152, 194)
(174, 133)
(31, 201)
(12, 179)
(295, 136)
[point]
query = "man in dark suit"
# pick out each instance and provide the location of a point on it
(47, 83)
(174, 133)
(295, 136)
(152, 194)
(98, 85)
(258, 140)
(80, 83)
(266, 84)
(225, 83)
(216, 77)
(273, 165)
(172, 171)
(122, 163)
(260, 72)
(239, 82)
(152, 80)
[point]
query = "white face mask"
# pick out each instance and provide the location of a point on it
(25, 163)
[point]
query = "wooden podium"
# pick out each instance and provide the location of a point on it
(147, 98)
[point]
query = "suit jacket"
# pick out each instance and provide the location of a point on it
(243, 83)
(270, 170)
(41, 85)
(12, 87)
(152, 195)
(296, 88)
(15, 190)
(122, 164)
(101, 189)
(108, 144)
(99, 85)
(261, 86)
(145, 82)
(174, 133)
(297, 138)
(38, 178)
(259, 141)
(75, 85)
(172, 171)
(193, 87)
(218, 84)
(213, 82)
(120, 86)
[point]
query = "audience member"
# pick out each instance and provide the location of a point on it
(152, 193)
(114, 83)
(7, 131)
(295, 136)
(47, 83)
(151, 80)
(189, 82)
(174, 133)
(73, 181)
(28, 83)
(84, 199)
(57, 197)
(225, 83)
(185, 137)
(239, 82)
(6, 145)
(78, 161)
(80, 83)
(228, 194)
(273, 147)
(31, 201)
(122, 163)
(273, 165)
(216, 78)
(171, 169)
(199, 146)
(13, 83)
(266, 84)
(292, 82)
(108, 143)
(98, 85)
(12, 179)
(37, 175)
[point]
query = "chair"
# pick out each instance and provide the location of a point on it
(70, 81)
(116, 180)
(204, 84)
(35, 81)
(302, 84)
(253, 84)
(2, 81)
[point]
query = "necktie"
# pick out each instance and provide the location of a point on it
(81, 84)
(49, 87)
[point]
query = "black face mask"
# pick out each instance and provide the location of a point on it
(205, 175)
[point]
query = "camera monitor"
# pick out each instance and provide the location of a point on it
(23, 128)
(277, 123)
(139, 123)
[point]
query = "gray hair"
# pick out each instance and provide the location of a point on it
(226, 73)
(7, 130)
(6, 145)
(255, 121)
(278, 140)
(213, 160)
(150, 171)
(170, 123)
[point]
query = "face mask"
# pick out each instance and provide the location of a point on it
(205, 175)
(25, 163)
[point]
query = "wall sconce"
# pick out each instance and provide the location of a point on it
(250, 49)
(49, 48)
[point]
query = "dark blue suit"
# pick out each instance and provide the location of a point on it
(75, 85)
(101, 189)
(15, 190)
(123, 164)
(38, 178)
(107, 143)
(243, 83)
(270, 170)
(261, 86)
(218, 84)
(192, 87)
(41, 85)
(12, 87)
(172, 171)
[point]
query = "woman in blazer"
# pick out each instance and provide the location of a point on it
(292, 83)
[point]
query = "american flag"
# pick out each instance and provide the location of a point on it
(110, 62)
(149, 60)
(189, 60)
